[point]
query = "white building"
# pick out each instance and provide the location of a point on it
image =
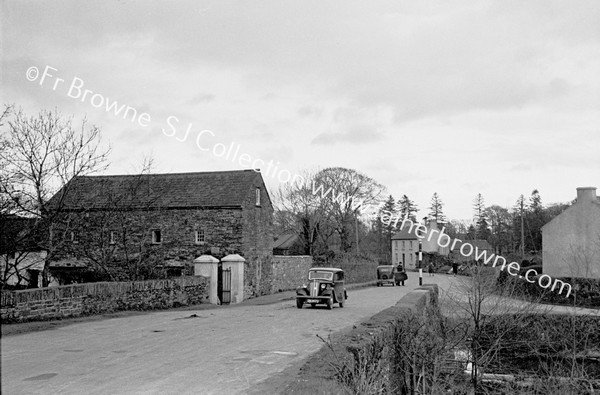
(571, 241)
(405, 249)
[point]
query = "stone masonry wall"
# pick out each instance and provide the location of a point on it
(289, 271)
(95, 298)
(222, 229)
(257, 242)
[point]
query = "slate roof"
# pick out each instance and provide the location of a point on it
(285, 241)
(405, 234)
(169, 190)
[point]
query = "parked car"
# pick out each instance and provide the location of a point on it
(325, 286)
(389, 274)
(385, 275)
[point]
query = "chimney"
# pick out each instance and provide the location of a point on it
(586, 194)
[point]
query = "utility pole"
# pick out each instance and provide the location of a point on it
(522, 231)
(356, 227)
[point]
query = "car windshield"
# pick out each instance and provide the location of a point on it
(385, 269)
(318, 275)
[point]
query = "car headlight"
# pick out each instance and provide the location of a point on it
(323, 286)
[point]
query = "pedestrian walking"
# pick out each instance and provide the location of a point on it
(431, 269)
(455, 268)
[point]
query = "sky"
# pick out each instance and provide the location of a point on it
(454, 97)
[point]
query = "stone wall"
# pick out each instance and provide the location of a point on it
(132, 229)
(289, 271)
(257, 242)
(95, 298)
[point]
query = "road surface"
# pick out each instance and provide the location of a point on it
(217, 351)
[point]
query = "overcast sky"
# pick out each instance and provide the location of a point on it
(453, 97)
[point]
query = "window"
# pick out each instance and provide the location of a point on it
(258, 196)
(156, 236)
(403, 244)
(113, 237)
(199, 236)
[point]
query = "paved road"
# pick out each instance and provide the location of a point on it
(221, 351)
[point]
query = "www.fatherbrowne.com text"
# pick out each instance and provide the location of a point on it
(466, 249)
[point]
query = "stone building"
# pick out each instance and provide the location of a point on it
(571, 240)
(131, 225)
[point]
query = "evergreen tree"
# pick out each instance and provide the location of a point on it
(436, 209)
(408, 209)
(535, 219)
(480, 218)
(387, 227)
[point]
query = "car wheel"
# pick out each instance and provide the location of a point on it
(330, 303)
(299, 303)
(313, 305)
(341, 304)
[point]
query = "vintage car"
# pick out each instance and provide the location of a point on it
(385, 275)
(389, 274)
(325, 286)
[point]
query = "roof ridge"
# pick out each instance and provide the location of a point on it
(168, 174)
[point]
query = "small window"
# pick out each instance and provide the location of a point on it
(113, 237)
(156, 236)
(74, 239)
(199, 236)
(258, 196)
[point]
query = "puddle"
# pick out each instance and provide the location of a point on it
(288, 353)
(44, 376)
(190, 316)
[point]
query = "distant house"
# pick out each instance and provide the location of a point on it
(405, 248)
(21, 258)
(571, 240)
(139, 223)
(288, 244)
(468, 253)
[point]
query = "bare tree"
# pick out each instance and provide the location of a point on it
(302, 212)
(111, 240)
(351, 192)
(490, 314)
(40, 155)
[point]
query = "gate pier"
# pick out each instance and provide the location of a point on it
(207, 266)
(226, 277)
(235, 263)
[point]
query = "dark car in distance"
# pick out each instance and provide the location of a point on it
(325, 286)
(385, 275)
(390, 274)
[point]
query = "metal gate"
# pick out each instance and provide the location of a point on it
(224, 285)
